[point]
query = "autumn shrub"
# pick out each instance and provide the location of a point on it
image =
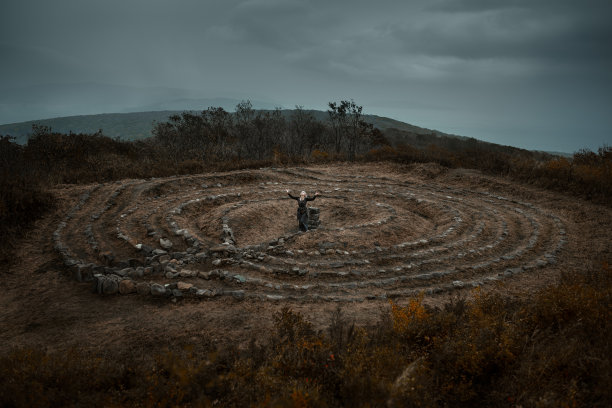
(320, 156)
(550, 349)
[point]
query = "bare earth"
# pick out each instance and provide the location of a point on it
(387, 232)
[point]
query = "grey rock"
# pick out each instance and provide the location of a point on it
(201, 256)
(110, 286)
(97, 283)
(238, 294)
(203, 293)
(158, 290)
(239, 278)
(178, 255)
(224, 248)
(136, 273)
(124, 271)
(177, 293)
(127, 286)
(83, 273)
(143, 288)
(165, 243)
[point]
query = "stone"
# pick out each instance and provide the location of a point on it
(159, 252)
(184, 286)
(178, 255)
(158, 290)
(201, 256)
(136, 273)
(122, 264)
(165, 243)
(127, 286)
(146, 249)
(143, 288)
(124, 272)
(238, 294)
(203, 293)
(239, 278)
(110, 286)
(186, 273)
(83, 273)
(108, 257)
(97, 283)
(177, 293)
(224, 248)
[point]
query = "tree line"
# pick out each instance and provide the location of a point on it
(215, 134)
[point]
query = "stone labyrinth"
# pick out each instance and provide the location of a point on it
(235, 234)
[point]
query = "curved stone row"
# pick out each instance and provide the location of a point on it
(142, 237)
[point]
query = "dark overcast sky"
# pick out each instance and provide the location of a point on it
(532, 74)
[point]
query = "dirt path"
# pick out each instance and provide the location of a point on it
(387, 232)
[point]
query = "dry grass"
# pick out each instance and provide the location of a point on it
(549, 350)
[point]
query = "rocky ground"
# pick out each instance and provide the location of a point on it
(147, 264)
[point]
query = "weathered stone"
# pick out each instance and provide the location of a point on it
(83, 273)
(184, 286)
(177, 293)
(110, 286)
(146, 249)
(159, 252)
(239, 278)
(238, 294)
(108, 257)
(127, 286)
(223, 248)
(158, 290)
(203, 293)
(143, 288)
(186, 273)
(124, 271)
(136, 273)
(178, 255)
(165, 243)
(97, 283)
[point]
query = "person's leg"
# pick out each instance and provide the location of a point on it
(304, 222)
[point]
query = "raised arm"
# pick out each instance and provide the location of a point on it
(289, 194)
(313, 197)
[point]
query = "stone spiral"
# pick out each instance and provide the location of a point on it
(235, 234)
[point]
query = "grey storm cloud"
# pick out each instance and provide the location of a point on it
(534, 74)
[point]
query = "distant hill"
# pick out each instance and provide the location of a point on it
(138, 125)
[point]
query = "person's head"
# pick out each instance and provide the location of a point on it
(303, 194)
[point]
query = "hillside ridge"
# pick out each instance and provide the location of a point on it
(138, 125)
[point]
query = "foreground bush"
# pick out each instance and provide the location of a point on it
(549, 350)
(23, 198)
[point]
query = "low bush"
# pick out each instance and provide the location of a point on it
(551, 349)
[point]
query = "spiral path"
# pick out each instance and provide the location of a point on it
(235, 234)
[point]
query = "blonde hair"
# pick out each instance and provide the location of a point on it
(303, 192)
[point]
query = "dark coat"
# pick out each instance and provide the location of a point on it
(302, 207)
